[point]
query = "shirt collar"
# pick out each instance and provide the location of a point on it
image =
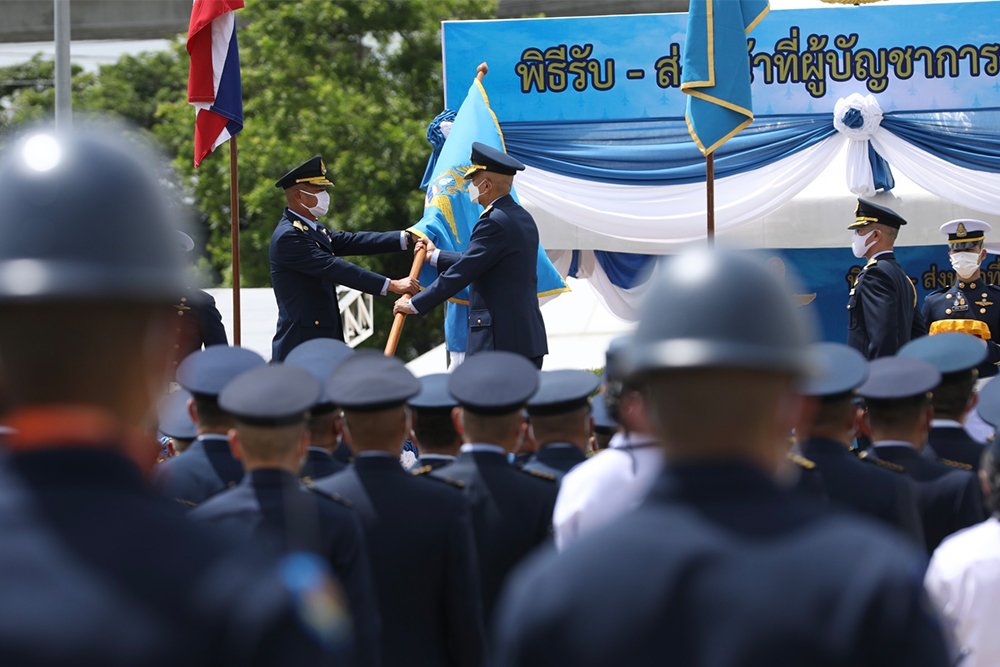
(374, 453)
(623, 439)
(945, 423)
(879, 254)
(893, 443)
(474, 447)
(312, 223)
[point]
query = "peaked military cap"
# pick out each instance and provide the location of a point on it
(434, 394)
(487, 158)
(310, 172)
(867, 213)
(988, 406)
(320, 356)
(899, 378)
(274, 395)
(950, 352)
(738, 313)
(494, 382)
(206, 372)
(840, 369)
(965, 233)
(562, 391)
(370, 381)
(83, 216)
(602, 420)
(174, 417)
(612, 359)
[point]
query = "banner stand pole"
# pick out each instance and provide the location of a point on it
(710, 194)
(234, 210)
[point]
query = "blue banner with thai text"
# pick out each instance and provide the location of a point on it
(911, 57)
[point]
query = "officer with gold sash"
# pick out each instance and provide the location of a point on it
(969, 305)
(882, 308)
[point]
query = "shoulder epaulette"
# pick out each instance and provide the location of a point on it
(298, 225)
(457, 483)
(423, 470)
(184, 501)
(539, 474)
(486, 210)
(888, 465)
(872, 262)
(955, 464)
(337, 498)
(800, 461)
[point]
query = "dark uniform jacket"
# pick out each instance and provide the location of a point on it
(305, 271)
(97, 569)
(320, 463)
(200, 471)
(969, 301)
(511, 514)
(719, 567)
(882, 309)
(950, 499)
(879, 491)
(500, 266)
(423, 562)
(556, 459)
(955, 447)
(270, 508)
(343, 454)
(198, 324)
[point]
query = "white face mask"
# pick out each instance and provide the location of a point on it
(473, 193)
(965, 264)
(322, 203)
(859, 243)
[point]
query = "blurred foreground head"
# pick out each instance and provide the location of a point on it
(89, 262)
(719, 349)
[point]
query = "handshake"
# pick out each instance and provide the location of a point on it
(409, 286)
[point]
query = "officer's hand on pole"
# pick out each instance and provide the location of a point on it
(402, 306)
(426, 244)
(404, 286)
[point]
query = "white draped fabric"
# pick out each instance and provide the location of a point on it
(621, 302)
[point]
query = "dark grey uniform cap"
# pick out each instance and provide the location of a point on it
(988, 406)
(839, 369)
(613, 371)
(899, 379)
(320, 356)
(562, 391)
(83, 216)
(949, 352)
(369, 381)
(206, 372)
(495, 382)
(271, 396)
(434, 394)
(716, 309)
(174, 417)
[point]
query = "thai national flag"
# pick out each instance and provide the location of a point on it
(214, 86)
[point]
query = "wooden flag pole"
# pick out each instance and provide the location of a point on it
(418, 262)
(234, 210)
(710, 192)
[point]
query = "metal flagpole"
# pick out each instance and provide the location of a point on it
(64, 90)
(234, 209)
(710, 193)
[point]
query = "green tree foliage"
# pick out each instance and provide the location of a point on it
(356, 81)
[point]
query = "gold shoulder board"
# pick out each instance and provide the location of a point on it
(955, 464)
(800, 461)
(422, 470)
(539, 474)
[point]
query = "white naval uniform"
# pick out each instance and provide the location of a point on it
(605, 486)
(963, 579)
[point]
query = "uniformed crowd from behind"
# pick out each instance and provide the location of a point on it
(726, 493)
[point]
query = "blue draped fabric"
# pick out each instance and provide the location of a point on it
(625, 269)
(656, 151)
(969, 139)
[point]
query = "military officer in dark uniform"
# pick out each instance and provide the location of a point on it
(270, 508)
(199, 322)
(96, 568)
(957, 357)
(320, 356)
(417, 527)
(306, 264)
(882, 308)
(720, 565)
(877, 489)
(561, 421)
(970, 305)
(988, 406)
(207, 466)
(897, 393)
(433, 430)
(498, 266)
(511, 508)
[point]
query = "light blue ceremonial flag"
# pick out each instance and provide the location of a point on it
(449, 216)
(716, 70)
